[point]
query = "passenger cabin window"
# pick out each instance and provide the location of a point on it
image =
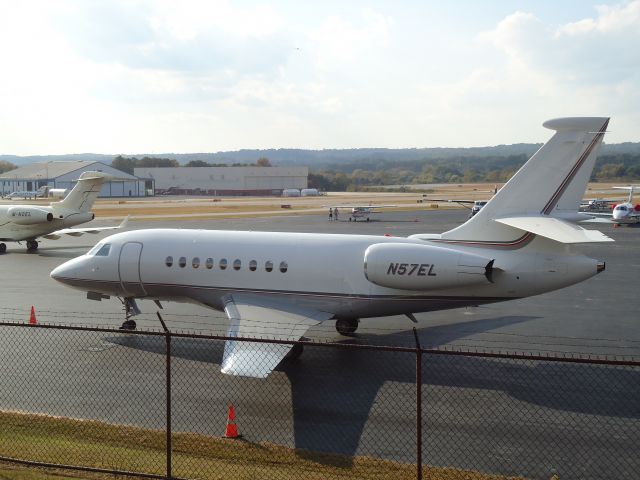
(169, 261)
(223, 263)
(195, 263)
(283, 267)
(182, 262)
(253, 265)
(268, 266)
(209, 263)
(104, 251)
(237, 264)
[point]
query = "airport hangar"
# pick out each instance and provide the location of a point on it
(64, 174)
(238, 181)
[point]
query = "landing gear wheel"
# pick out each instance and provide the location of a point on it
(3, 247)
(128, 325)
(32, 245)
(294, 353)
(347, 326)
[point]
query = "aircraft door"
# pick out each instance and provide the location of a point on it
(129, 270)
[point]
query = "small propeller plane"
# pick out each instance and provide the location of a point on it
(28, 222)
(361, 211)
(277, 285)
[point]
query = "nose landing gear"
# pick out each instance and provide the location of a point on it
(130, 309)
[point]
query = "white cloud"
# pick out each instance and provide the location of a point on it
(143, 75)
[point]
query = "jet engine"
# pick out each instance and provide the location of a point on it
(77, 218)
(29, 215)
(424, 267)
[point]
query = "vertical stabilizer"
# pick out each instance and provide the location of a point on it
(551, 183)
(82, 196)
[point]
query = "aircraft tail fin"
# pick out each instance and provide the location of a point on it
(85, 192)
(550, 184)
(632, 190)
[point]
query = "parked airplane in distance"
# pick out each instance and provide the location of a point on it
(24, 194)
(361, 211)
(29, 222)
(475, 207)
(277, 285)
(624, 213)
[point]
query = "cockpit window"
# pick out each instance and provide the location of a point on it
(104, 251)
(622, 208)
(95, 248)
(100, 250)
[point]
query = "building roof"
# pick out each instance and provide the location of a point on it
(48, 170)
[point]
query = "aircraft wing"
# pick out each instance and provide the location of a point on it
(76, 232)
(371, 207)
(254, 317)
(449, 200)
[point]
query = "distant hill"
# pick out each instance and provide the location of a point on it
(330, 157)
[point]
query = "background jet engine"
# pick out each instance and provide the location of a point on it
(424, 267)
(29, 215)
(77, 218)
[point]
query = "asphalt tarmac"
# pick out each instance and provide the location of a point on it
(509, 417)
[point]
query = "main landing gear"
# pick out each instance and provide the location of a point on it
(32, 245)
(3, 247)
(347, 326)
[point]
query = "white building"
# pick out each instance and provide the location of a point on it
(249, 180)
(65, 174)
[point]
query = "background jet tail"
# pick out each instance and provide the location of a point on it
(632, 190)
(85, 192)
(550, 184)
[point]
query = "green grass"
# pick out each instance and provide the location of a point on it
(101, 445)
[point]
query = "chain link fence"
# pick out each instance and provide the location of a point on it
(155, 405)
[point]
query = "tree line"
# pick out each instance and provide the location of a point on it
(127, 164)
(354, 176)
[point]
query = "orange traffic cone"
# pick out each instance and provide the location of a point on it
(232, 428)
(32, 317)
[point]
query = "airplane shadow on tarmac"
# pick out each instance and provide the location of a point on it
(335, 391)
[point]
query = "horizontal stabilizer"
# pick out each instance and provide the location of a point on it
(555, 229)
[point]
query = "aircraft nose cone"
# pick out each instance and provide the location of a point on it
(58, 272)
(66, 272)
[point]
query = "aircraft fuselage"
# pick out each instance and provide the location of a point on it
(347, 275)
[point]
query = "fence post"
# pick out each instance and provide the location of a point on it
(418, 405)
(168, 393)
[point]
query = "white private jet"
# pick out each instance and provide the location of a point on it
(28, 222)
(624, 213)
(277, 285)
(361, 211)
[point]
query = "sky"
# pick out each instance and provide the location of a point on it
(162, 76)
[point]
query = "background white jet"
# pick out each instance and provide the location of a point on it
(277, 285)
(29, 222)
(622, 213)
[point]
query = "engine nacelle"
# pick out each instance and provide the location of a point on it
(78, 218)
(29, 215)
(58, 192)
(424, 267)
